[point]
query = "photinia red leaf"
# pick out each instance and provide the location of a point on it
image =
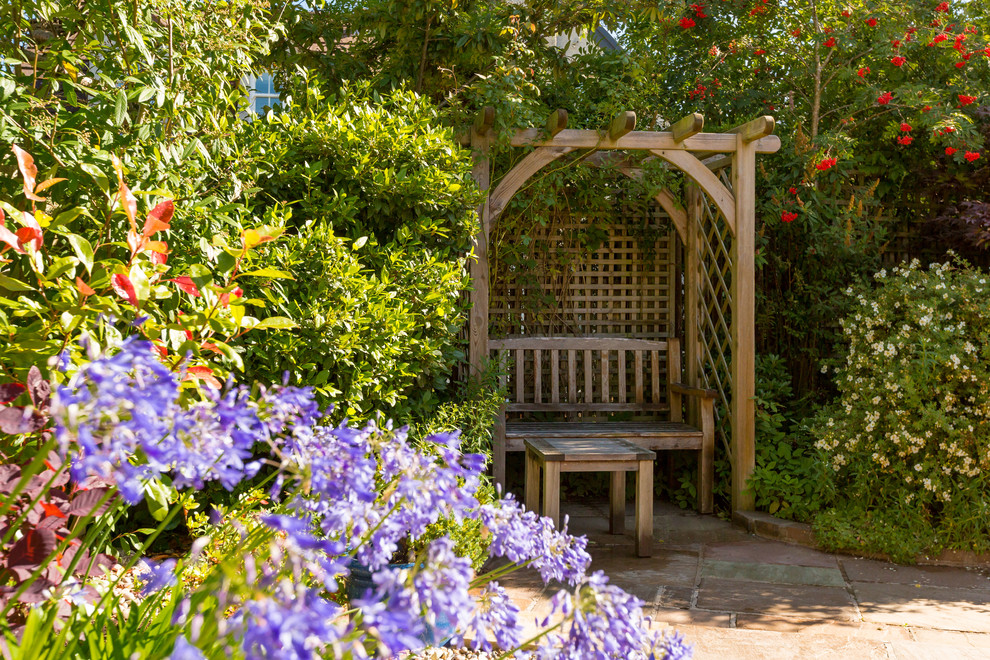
(204, 374)
(186, 284)
(84, 288)
(29, 235)
(225, 297)
(160, 350)
(127, 200)
(9, 237)
(134, 241)
(29, 172)
(122, 285)
(159, 257)
(10, 391)
(159, 218)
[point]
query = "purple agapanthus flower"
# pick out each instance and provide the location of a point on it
(157, 575)
(495, 615)
(184, 650)
(294, 623)
(673, 647)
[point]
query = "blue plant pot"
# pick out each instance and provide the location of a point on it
(360, 582)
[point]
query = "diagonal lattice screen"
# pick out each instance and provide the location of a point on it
(589, 275)
(714, 314)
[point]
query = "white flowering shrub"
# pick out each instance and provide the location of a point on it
(907, 443)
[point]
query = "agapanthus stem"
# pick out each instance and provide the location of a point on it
(532, 640)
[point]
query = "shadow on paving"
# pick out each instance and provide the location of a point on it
(735, 595)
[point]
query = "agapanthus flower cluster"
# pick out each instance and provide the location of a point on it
(350, 494)
(119, 418)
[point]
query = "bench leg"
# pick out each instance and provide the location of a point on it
(551, 491)
(498, 450)
(644, 509)
(617, 503)
(706, 458)
(532, 492)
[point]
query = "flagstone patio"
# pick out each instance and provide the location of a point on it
(735, 595)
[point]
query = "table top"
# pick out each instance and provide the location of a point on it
(572, 450)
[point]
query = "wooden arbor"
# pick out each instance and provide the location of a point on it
(715, 223)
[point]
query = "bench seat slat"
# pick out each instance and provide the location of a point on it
(626, 430)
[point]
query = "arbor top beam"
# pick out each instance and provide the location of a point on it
(642, 141)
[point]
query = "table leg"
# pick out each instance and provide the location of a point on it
(532, 493)
(617, 503)
(644, 509)
(551, 491)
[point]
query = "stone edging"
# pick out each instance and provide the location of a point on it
(766, 526)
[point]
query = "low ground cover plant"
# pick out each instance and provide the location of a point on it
(345, 493)
(907, 443)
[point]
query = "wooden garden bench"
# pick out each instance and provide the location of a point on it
(591, 381)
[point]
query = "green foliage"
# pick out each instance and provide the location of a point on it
(382, 211)
(787, 480)
(908, 433)
(63, 287)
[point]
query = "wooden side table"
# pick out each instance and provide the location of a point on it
(556, 455)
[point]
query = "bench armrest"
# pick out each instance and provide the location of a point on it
(681, 388)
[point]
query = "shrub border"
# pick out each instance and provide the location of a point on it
(768, 527)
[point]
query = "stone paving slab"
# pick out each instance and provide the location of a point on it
(871, 570)
(773, 573)
(924, 607)
(851, 629)
(811, 602)
(737, 644)
(770, 552)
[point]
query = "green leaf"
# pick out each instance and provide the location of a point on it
(201, 275)
(101, 179)
(60, 266)
(269, 272)
(65, 217)
(120, 111)
(11, 284)
(140, 282)
(83, 250)
(276, 323)
(359, 243)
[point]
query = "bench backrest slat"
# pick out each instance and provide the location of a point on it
(593, 382)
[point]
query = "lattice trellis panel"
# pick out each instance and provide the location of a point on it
(623, 288)
(714, 315)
